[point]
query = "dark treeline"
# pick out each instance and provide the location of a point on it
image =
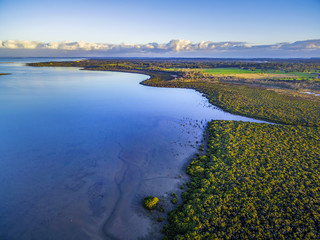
(288, 65)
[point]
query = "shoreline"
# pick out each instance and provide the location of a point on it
(182, 176)
(163, 79)
(154, 79)
(276, 103)
(185, 177)
(170, 77)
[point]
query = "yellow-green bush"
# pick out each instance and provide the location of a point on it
(150, 202)
(257, 181)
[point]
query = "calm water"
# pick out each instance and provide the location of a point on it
(80, 149)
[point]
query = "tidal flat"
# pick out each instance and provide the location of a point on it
(80, 150)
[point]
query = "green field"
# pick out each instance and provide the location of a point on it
(221, 71)
(254, 73)
(224, 71)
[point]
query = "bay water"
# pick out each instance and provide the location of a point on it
(80, 149)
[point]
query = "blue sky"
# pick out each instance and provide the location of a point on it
(139, 22)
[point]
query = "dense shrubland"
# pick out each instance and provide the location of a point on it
(257, 181)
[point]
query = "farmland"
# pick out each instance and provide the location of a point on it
(257, 73)
(251, 73)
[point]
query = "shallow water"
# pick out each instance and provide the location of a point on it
(80, 149)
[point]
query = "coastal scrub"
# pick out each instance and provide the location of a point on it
(257, 181)
(150, 203)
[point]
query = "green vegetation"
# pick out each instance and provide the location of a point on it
(161, 209)
(261, 65)
(201, 147)
(150, 203)
(231, 70)
(226, 71)
(257, 181)
(174, 199)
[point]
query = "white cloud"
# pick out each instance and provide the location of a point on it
(173, 47)
(21, 44)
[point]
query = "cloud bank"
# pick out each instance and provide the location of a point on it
(175, 48)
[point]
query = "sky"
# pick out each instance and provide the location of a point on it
(125, 24)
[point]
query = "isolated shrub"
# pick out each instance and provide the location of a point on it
(150, 202)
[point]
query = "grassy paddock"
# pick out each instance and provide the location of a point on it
(250, 74)
(259, 73)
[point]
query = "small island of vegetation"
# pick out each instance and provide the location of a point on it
(150, 203)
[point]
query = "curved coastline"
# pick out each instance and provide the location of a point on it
(156, 78)
(273, 103)
(162, 79)
(159, 78)
(151, 76)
